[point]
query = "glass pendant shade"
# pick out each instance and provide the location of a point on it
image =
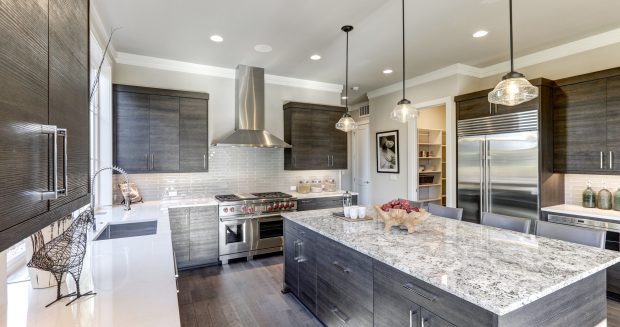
(346, 123)
(404, 111)
(513, 90)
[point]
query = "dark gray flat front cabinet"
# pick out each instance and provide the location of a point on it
(194, 235)
(291, 266)
(164, 132)
(68, 98)
(322, 203)
(428, 319)
(579, 131)
(203, 235)
(194, 143)
(613, 122)
(390, 309)
(24, 108)
(131, 131)
(317, 144)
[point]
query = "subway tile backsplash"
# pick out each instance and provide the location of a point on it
(575, 184)
(231, 170)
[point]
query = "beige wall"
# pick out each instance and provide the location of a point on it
(222, 96)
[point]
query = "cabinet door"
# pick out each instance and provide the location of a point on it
(203, 235)
(390, 309)
(194, 143)
(533, 104)
(321, 135)
(302, 138)
(307, 270)
(613, 122)
(579, 135)
(291, 269)
(68, 93)
(474, 108)
(131, 131)
(338, 143)
(164, 133)
(179, 228)
(24, 108)
(429, 319)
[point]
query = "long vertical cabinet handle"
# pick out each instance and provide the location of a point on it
(487, 178)
(65, 158)
(53, 194)
(152, 161)
(611, 160)
(601, 160)
(490, 108)
(482, 169)
(204, 161)
(295, 256)
(411, 314)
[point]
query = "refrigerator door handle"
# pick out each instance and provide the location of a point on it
(482, 173)
(487, 178)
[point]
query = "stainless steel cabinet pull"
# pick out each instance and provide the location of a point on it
(53, 194)
(65, 158)
(300, 255)
(146, 160)
(152, 161)
(328, 160)
(415, 290)
(611, 160)
(424, 320)
(204, 161)
(343, 317)
(490, 108)
(341, 267)
(295, 255)
(601, 159)
(411, 313)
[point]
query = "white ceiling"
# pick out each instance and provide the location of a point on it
(439, 33)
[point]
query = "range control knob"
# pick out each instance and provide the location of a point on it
(251, 209)
(244, 209)
(269, 208)
(282, 205)
(225, 209)
(232, 209)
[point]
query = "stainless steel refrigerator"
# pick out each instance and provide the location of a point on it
(498, 166)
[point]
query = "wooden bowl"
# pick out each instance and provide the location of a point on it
(400, 217)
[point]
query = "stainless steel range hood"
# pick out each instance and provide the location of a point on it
(250, 112)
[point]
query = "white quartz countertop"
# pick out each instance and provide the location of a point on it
(134, 278)
(498, 270)
(571, 209)
(312, 195)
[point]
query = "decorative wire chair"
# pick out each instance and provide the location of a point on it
(65, 254)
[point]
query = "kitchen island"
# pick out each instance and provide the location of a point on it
(446, 273)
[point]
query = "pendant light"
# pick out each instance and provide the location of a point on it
(346, 123)
(514, 88)
(404, 110)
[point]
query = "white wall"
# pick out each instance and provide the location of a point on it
(222, 95)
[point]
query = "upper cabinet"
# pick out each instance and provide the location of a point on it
(317, 144)
(159, 130)
(587, 123)
(44, 107)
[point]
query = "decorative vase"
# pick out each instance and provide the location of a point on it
(588, 197)
(604, 199)
(617, 200)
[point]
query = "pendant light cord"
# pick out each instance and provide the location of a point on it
(403, 2)
(512, 66)
(346, 82)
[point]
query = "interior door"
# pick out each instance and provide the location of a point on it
(512, 174)
(361, 163)
(164, 133)
(24, 109)
(470, 176)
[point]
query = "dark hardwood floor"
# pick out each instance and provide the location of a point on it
(248, 294)
(239, 294)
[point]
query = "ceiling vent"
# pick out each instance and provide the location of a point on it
(365, 110)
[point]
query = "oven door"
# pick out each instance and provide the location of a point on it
(236, 235)
(269, 232)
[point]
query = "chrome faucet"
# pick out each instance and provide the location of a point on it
(92, 193)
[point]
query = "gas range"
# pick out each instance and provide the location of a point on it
(254, 205)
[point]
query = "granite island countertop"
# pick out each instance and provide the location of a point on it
(498, 270)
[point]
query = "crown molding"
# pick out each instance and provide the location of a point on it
(557, 52)
(191, 68)
(456, 69)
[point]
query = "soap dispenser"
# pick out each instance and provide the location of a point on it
(589, 197)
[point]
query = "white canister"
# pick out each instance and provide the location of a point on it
(354, 212)
(362, 212)
(347, 211)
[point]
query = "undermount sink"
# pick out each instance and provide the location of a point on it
(142, 228)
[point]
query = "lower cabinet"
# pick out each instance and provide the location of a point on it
(194, 235)
(321, 203)
(300, 262)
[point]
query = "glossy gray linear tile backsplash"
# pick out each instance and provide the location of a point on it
(231, 170)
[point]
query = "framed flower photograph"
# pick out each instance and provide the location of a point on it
(387, 152)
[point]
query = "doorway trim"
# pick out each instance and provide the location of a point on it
(354, 157)
(412, 149)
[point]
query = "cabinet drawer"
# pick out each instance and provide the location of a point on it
(346, 270)
(321, 203)
(448, 306)
(335, 308)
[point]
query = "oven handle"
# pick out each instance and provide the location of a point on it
(261, 218)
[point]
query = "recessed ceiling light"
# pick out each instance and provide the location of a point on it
(315, 57)
(355, 88)
(216, 38)
(343, 98)
(264, 48)
(387, 71)
(480, 34)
